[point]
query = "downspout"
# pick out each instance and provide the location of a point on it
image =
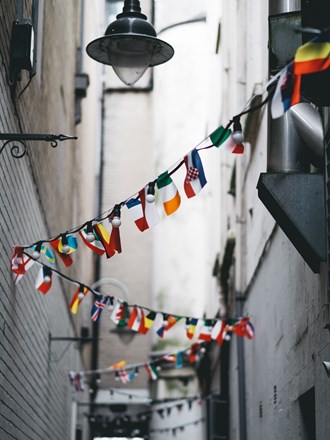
(290, 191)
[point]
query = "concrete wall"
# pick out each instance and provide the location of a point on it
(42, 194)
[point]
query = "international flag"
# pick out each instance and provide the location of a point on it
(195, 178)
(125, 376)
(206, 330)
(111, 242)
(219, 331)
(71, 242)
(66, 258)
(120, 314)
(169, 193)
(99, 304)
(44, 280)
(194, 353)
(118, 365)
(96, 245)
(244, 328)
(168, 323)
(75, 302)
(311, 57)
(20, 263)
(148, 322)
(136, 319)
(191, 324)
(216, 138)
(48, 253)
(282, 99)
(179, 360)
(229, 145)
(76, 380)
(152, 371)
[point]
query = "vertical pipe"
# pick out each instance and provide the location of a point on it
(241, 372)
(20, 10)
(285, 147)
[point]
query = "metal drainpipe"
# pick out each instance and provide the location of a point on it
(285, 146)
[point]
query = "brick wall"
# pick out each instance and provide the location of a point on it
(38, 193)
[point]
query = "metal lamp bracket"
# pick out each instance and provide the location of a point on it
(19, 148)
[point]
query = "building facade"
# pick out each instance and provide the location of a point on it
(42, 89)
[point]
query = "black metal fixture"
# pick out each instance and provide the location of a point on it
(19, 150)
(130, 45)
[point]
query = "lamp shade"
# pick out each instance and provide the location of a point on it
(130, 45)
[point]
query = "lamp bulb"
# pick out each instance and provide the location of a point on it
(116, 222)
(47, 279)
(81, 295)
(65, 249)
(36, 255)
(238, 137)
(90, 237)
(150, 198)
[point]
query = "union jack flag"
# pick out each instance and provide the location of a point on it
(99, 304)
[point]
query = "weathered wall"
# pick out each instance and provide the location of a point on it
(283, 297)
(40, 196)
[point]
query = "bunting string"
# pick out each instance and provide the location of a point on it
(136, 317)
(178, 427)
(284, 91)
(127, 373)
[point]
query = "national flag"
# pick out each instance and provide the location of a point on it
(169, 358)
(95, 245)
(194, 353)
(152, 371)
(135, 208)
(136, 319)
(66, 258)
(168, 323)
(191, 324)
(150, 216)
(76, 380)
(148, 322)
(20, 263)
(77, 298)
(195, 178)
(219, 331)
(118, 365)
(229, 145)
(244, 328)
(100, 303)
(110, 242)
(206, 330)
(179, 360)
(125, 376)
(48, 253)
(282, 99)
(169, 193)
(71, 242)
(120, 314)
(44, 280)
(216, 138)
(311, 57)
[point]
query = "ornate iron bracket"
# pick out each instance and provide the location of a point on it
(19, 150)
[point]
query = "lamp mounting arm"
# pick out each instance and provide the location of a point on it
(19, 148)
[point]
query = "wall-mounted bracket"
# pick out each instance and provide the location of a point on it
(19, 148)
(297, 203)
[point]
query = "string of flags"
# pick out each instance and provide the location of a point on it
(141, 206)
(127, 373)
(181, 428)
(137, 318)
(283, 90)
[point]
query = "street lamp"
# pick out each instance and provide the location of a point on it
(130, 45)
